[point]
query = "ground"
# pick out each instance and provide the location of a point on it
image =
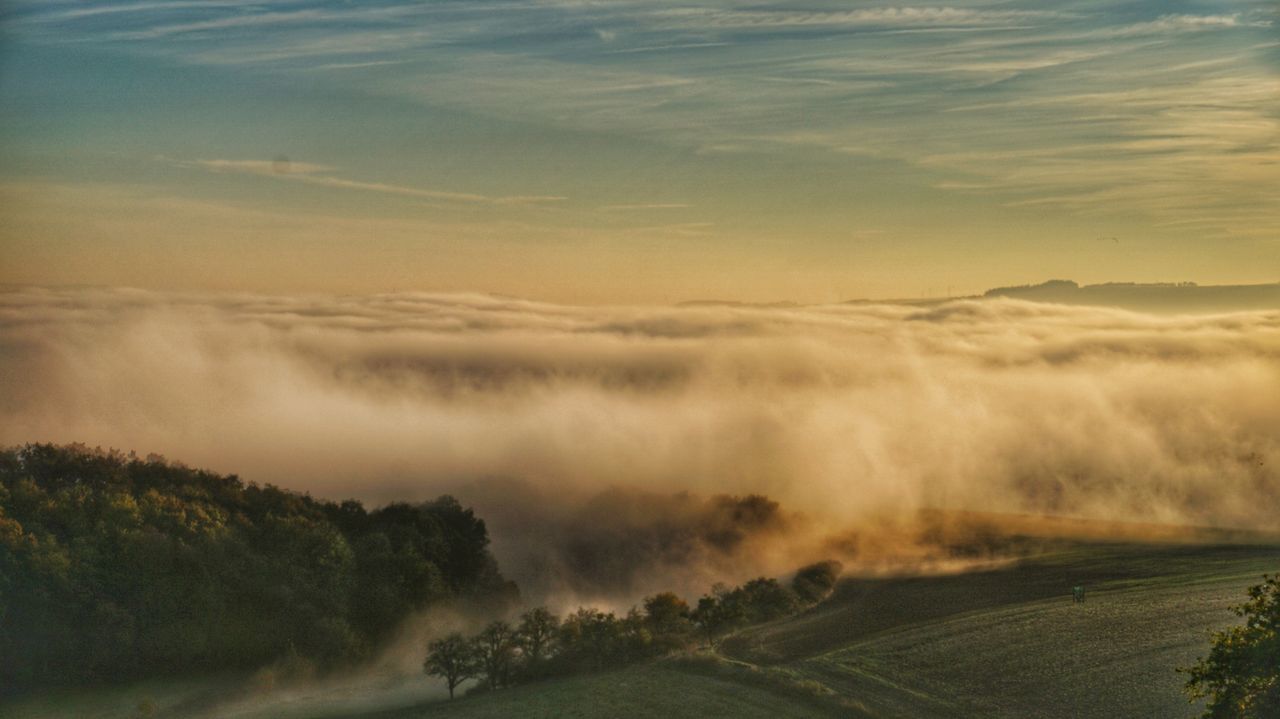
(1003, 642)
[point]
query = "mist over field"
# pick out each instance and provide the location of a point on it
(572, 429)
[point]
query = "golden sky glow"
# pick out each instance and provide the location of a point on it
(637, 151)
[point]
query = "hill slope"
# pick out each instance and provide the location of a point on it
(114, 568)
(655, 690)
(1150, 297)
(1006, 642)
(1002, 643)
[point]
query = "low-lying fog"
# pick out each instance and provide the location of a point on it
(595, 440)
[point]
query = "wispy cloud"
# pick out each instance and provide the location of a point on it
(1179, 23)
(234, 22)
(646, 206)
(887, 17)
(256, 167)
(1160, 113)
(58, 15)
(318, 175)
(354, 65)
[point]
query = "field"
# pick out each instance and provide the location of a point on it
(656, 690)
(1147, 611)
(1007, 642)
(1002, 642)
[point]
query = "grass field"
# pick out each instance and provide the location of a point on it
(1011, 643)
(1003, 642)
(1111, 656)
(654, 690)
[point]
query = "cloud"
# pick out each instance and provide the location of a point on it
(314, 174)
(646, 206)
(129, 8)
(258, 167)
(841, 413)
(1178, 23)
(885, 17)
(232, 22)
(974, 82)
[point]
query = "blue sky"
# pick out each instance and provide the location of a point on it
(638, 151)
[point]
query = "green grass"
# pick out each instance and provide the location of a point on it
(864, 607)
(164, 697)
(654, 690)
(1006, 642)
(1010, 643)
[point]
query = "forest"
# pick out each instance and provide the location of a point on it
(115, 567)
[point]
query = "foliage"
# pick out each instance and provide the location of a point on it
(666, 616)
(114, 567)
(543, 645)
(452, 658)
(495, 649)
(762, 599)
(537, 630)
(759, 600)
(815, 582)
(589, 639)
(716, 616)
(1241, 675)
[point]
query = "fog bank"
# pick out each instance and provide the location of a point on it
(840, 413)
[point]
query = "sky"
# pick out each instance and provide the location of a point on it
(600, 152)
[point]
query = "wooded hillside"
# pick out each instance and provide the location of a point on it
(114, 567)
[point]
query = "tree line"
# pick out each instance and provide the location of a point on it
(114, 567)
(541, 644)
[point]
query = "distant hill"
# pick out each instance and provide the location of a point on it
(1153, 297)
(1156, 297)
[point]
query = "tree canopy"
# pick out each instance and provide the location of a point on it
(544, 645)
(1241, 675)
(453, 659)
(114, 567)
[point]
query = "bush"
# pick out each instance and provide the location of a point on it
(1241, 675)
(813, 583)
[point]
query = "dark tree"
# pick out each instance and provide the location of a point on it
(453, 659)
(718, 614)
(666, 613)
(813, 583)
(495, 647)
(115, 568)
(636, 640)
(666, 616)
(537, 631)
(591, 638)
(764, 599)
(1241, 675)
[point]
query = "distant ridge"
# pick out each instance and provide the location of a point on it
(1145, 297)
(1150, 297)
